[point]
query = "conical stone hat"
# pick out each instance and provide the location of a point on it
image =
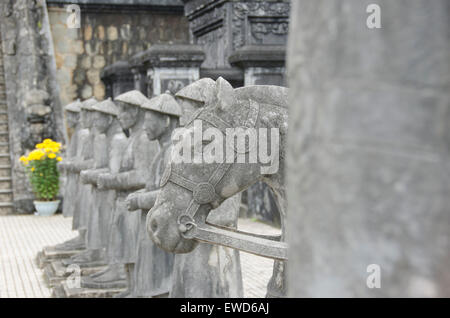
(133, 97)
(88, 103)
(107, 107)
(165, 104)
(73, 107)
(201, 91)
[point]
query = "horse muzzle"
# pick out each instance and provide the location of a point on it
(165, 232)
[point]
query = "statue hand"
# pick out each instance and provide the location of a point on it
(132, 202)
(84, 177)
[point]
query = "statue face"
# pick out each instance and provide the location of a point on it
(128, 114)
(86, 118)
(72, 119)
(101, 121)
(155, 124)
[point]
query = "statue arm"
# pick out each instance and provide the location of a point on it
(78, 165)
(130, 180)
(146, 200)
(91, 175)
(142, 199)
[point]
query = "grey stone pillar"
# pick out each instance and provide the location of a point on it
(32, 94)
(170, 67)
(368, 149)
(118, 78)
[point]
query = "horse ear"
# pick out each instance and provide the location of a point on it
(225, 93)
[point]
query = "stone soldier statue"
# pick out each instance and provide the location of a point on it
(131, 175)
(74, 165)
(193, 276)
(107, 131)
(153, 267)
(71, 179)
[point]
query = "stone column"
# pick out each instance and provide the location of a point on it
(368, 149)
(34, 109)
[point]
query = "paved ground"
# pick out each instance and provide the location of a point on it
(22, 237)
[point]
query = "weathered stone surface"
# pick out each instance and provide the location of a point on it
(368, 150)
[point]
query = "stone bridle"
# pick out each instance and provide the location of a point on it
(205, 193)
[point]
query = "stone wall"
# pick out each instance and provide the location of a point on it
(107, 34)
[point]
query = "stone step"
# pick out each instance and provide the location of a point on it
(6, 210)
(4, 136)
(5, 191)
(5, 172)
(6, 204)
(5, 183)
(5, 160)
(4, 147)
(6, 198)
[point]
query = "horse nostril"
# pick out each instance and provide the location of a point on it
(153, 225)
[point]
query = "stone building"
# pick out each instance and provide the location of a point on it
(56, 52)
(47, 64)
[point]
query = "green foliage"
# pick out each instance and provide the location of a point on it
(44, 178)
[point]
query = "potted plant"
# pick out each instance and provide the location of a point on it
(41, 167)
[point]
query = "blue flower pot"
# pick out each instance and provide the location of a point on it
(46, 208)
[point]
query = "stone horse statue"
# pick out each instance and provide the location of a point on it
(189, 191)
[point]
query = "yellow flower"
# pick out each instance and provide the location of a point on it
(59, 158)
(51, 155)
(36, 154)
(40, 146)
(32, 168)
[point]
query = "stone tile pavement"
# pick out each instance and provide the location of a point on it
(23, 236)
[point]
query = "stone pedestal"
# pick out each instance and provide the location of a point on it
(168, 67)
(262, 64)
(49, 254)
(118, 78)
(65, 291)
(224, 28)
(368, 150)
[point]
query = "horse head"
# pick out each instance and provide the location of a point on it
(221, 162)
